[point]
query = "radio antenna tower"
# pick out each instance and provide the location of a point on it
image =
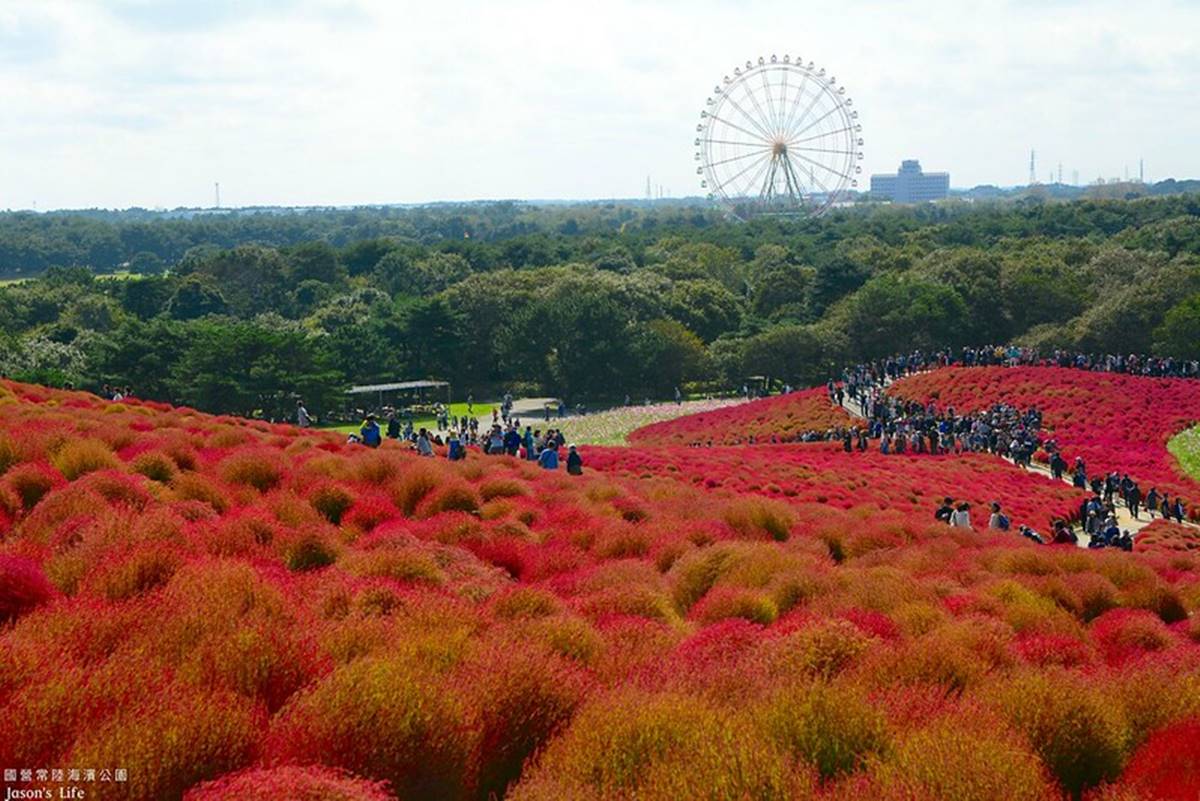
(1060, 172)
(1141, 171)
(649, 194)
(217, 192)
(1032, 167)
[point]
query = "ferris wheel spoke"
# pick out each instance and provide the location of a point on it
(799, 120)
(770, 104)
(739, 158)
(795, 178)
(822, 135)
(823, 150)
(762, 132)
(787, 123)
(762, 116)
(732, 180)
(738, 127)
(783, 109)
(815, 163)
(754, 178)
(817, 121)
(731, 142)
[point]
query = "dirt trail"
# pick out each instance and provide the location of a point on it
(1125, 520)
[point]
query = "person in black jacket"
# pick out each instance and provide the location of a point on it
(945, 511)
(574, 462)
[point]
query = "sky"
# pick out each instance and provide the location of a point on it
(121, 103)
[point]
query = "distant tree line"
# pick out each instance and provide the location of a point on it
(244, 313)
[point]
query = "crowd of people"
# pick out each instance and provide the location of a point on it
(898, 427)
(456, 434)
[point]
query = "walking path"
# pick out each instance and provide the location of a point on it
(1125, 520)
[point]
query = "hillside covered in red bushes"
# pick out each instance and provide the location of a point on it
(228, 609)
(1114, 421)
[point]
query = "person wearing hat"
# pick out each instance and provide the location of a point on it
(370, 432)
(574, 461)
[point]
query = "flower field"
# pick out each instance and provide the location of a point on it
(784, 417)
(869, 482)
(1114, 421)
(613, 426)
(226, 609)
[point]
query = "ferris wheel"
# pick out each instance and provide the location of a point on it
(778, 137)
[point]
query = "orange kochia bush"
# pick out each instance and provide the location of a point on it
(236, 609)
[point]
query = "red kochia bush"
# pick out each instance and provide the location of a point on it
(298, 783)
(1167, 766)
(784, 417)
(520, 695)
(23, 586)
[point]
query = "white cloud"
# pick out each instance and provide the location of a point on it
(137, 102)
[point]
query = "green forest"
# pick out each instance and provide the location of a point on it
(243, 312)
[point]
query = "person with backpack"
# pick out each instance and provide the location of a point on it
(1133, 499)
(998, 520)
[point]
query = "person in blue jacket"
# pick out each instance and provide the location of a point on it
(370, 433)
(548, 460)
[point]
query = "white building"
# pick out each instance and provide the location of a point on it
(910, 185)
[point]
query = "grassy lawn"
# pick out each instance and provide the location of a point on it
(1186, 448)
(481, 409)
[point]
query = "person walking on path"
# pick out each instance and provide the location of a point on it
(1133, 499)
(424, 446)
(1152, 501)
